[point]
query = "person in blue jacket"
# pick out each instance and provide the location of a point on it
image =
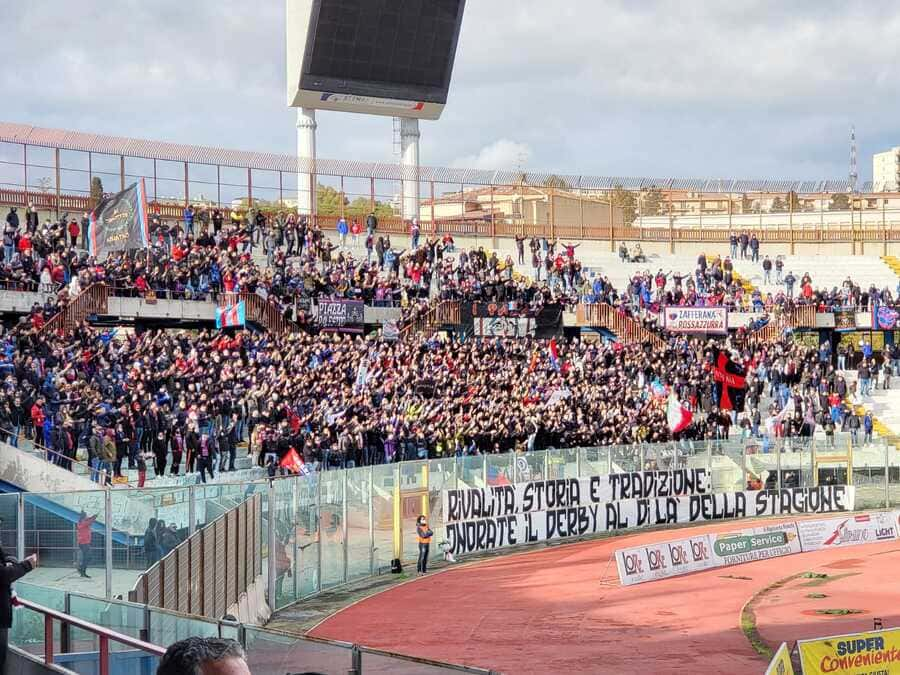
(342, 230)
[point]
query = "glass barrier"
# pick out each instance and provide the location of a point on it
(270, 653)
(892, 462)
(168, 627)
(9, 522)
(331, 528)
(359, 533)
(122, 617)
(28, 627)
(384, 477)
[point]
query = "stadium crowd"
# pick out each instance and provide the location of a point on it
(184, 402)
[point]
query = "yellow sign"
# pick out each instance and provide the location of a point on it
(874, 652)
(781, 662)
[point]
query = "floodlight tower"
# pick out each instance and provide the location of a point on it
(337, 60)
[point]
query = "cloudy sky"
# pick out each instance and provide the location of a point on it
(744, 88)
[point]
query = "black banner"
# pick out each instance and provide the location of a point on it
(346, 316)
(119, 222)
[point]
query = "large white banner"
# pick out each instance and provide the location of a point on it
(511, 527)
(504, 326)
(696, 319)
(866, 528)
(546, 495)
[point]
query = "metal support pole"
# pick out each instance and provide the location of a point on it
(355, 661)
(192, 511)
(318, 476)
(56, 159)
(344, 514)
(122, 171)
(20, 526)
(109, 543)
(743, 467)
(249, 188)
(270, 595)
(64, 630)
(397, 513)
(91, 172)
(578, 452)
(280, 189)
(778, 465)
(887, 477)
(295, 554)
(218, 184)
(155, 188)
(25, 169)
(371, 523)
(609, 462)
(484, 473)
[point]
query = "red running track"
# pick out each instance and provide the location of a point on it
(547, 611)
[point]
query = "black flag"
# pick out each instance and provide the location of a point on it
(119, 222)
(731, 382)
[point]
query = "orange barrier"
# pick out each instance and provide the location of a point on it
(92, 300)
(627, 329)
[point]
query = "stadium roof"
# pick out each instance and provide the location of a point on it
(269, 161)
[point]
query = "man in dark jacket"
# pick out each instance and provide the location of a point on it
(11, 570)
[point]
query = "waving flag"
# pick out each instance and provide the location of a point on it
(731, 382)
(293, 464)
(119, 222)
(231, 315)
(677, 415)
(554, 355)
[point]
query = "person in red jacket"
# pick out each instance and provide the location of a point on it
(74, 231)
(83, 537)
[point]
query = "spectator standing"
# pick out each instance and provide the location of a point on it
(151, 547)
(789, 282)
(414, 233)
(189, 220)
(342, 230)
(371, 223)
(74, 231)
(767, 270)
(83, 538)
(86, 226)
(11, 570)
(779, 269)
(754, 248)
(424, 535)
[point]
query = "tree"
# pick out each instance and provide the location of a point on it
(362, 206)
(329, 201)
(624, 199)
(652, 203)
(839, 202)
(778, 206)
(746, 204)
(96, 190)
(794, 202)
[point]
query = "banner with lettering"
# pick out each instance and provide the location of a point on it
(866, 528)
(871, 652)
(119, 222)
(512, 516)
(545, 495)
(344, 316)
(710, 320)
(885, 318)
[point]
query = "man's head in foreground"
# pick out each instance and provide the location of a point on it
(204, 656)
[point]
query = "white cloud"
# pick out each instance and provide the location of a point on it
(501, 154)
(745, 89)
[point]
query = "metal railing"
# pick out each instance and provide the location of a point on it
(104, 635)
(92, 300)
(269, 652)
(623, 326)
